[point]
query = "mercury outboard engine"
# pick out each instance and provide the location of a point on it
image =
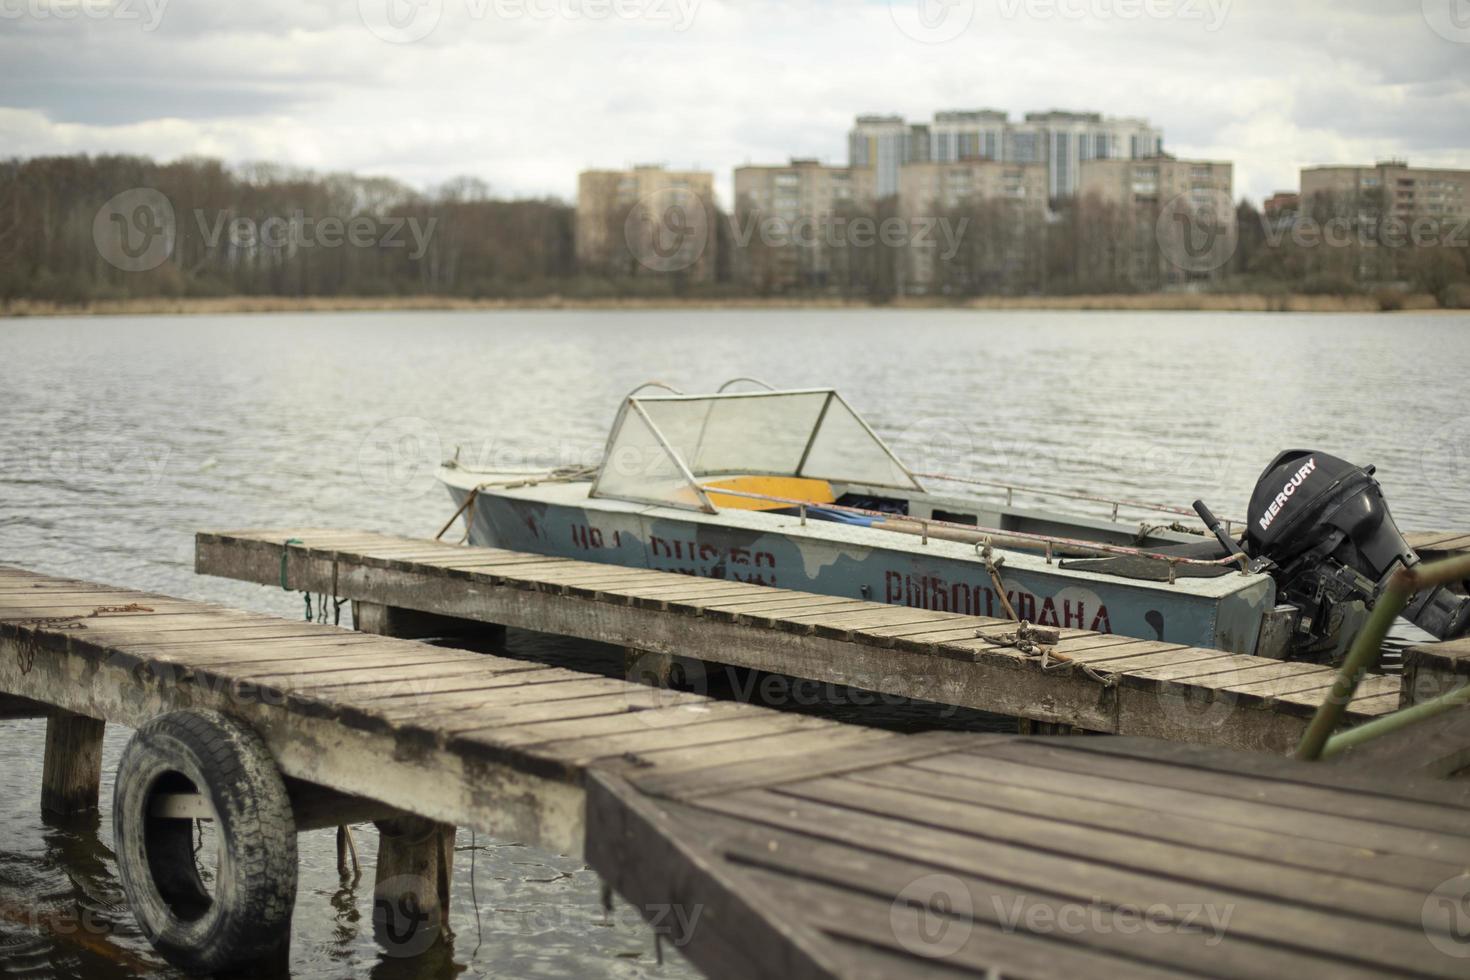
(1320, 526)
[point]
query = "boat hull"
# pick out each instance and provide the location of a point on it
(901, 574)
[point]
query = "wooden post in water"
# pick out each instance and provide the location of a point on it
(412, 884)
(411, 624)
(71, 774)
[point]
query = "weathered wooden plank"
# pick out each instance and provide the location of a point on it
(1303, 887)
(763, 749)
(1246, 828)
(640, 853)
(670, 719)
(1454, 794)
(692, 784)
(481, 728)
(460, 709)
(1269, 784)
(983, 945)
(1379, 944)
(713, 737)
(855, 894)
(399, 680)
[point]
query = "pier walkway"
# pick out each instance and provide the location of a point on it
(786, 846)
(1129, 686)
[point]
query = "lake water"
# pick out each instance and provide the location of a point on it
(119, 438)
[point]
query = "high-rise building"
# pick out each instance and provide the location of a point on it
(789, 219)
(967, 135)
(1061, 140)
(1068, 139)
(647, 219)
(883, 144)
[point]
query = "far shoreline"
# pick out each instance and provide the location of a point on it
(1120, 302)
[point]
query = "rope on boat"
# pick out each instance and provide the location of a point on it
(563, 474)
(992, 565)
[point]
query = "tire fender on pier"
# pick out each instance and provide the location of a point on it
(177, 768)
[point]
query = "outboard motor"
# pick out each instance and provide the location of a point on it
(1332, 545)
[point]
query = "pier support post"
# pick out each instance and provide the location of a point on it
(71, 773)
(411, 624)
(412, 883)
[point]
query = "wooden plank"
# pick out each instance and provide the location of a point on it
(714, 737)
(974, 946)
(665, 718)
(1267, 768)
(481, 728)
(763, 749)
(1280, 786)
(1378, 944)
(693, 784)
(1191, 671)
(412, 680)
(854, 893)
(1260, 833)
(1414, 854)
(458, 710)
(1302, 887)
(640, 852)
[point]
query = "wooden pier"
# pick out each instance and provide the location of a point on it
(1434, 545)
(782, 845)
(1046, 858)
(1096, 682)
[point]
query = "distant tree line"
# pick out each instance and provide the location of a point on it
(270, 230)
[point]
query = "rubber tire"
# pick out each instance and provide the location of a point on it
(248, 921)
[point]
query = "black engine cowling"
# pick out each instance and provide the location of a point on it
(1322, 522)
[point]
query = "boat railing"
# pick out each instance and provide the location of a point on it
(1013, 488)
(986, 537)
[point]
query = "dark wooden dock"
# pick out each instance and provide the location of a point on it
(785, 845)
(1097, 682)
(1047, 858)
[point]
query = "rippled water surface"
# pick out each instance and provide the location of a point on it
(121, 437)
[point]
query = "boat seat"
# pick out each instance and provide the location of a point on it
(787, 488)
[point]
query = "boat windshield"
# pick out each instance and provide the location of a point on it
(666, 449)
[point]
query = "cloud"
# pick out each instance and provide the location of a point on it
(524, 93)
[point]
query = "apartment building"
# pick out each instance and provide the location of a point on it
(1153, 183)
(990, 210)
(1173, 221)
(789, 220)
(1389, 188)
(646, 219)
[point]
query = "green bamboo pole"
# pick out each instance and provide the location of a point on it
(1367, 648)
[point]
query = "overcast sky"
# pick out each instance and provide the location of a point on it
(524, 93)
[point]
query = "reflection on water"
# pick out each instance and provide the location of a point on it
(121, 437)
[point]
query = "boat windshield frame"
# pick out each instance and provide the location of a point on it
(633, 407)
